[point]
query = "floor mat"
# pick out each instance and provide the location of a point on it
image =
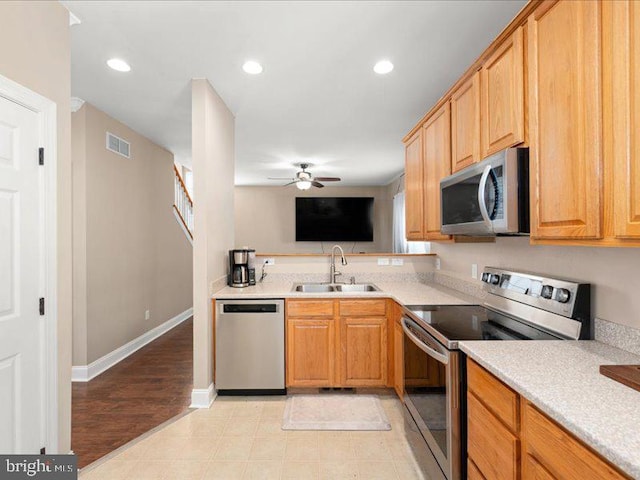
(334, 412)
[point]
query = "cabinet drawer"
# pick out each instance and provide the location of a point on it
(310, 308)
(361, 308)
(559, 452)
(500, 399)
(493, 448)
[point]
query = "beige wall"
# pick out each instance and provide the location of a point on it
(130, 254)
(35, 52)
(612, 271)
(213, 172)
(265, 218)
(356, 265)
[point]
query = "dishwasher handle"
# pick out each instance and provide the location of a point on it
(249, 308)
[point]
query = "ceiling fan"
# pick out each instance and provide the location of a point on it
(304, 180)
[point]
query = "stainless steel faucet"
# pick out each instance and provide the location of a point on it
(333, 273)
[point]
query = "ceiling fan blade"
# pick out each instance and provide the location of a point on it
(280, 178)
(317, 184)
(327, 179)
(290, 183)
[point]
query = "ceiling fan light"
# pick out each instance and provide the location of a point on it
(303, 185)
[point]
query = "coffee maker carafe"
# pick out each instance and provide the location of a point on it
(241, 268)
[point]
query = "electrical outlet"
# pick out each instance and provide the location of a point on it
(270, 261)
(437, 264)
(397, 262)
(474, 270)
(383, 261)
(147, 314)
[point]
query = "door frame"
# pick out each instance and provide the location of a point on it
(47, 124)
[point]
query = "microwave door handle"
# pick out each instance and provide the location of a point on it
(481, 189)
(440, 357)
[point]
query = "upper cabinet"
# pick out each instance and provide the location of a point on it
(465, 124)
(436, 139)
(565, 113)
(626, 117)
(414, 188)
(561, 78)
(502, 96)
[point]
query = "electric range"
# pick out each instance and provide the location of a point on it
(518, 306)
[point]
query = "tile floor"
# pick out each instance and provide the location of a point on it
(240, 438)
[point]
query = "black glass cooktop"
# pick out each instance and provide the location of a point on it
(453, 323)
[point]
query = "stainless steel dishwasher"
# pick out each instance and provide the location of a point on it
(249, 358)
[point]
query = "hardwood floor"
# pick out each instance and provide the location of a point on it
(139, 393)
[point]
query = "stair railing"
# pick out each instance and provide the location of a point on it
(182, 203)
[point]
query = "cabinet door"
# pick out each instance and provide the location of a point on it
(398, 361)
(558, 452)
(626, 116)
(311, 353)
(502, 96)
(437, 165)
(364, 351)
(465, 124)
(414, 188)
(565, 120)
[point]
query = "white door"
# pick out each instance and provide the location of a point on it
(22, 347)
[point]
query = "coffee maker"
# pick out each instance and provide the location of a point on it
(242, 272)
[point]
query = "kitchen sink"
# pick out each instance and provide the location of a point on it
(326, 287)
(314, 288)
(357, 287)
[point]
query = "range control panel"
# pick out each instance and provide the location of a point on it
(564, 297)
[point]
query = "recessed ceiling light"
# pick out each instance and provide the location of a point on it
(252, 67)
(119, 65)
(383, 67)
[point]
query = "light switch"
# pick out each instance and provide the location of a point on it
(397, 262)
(383, 261)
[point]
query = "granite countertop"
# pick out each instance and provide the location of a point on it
(405, 293)
(562, 379)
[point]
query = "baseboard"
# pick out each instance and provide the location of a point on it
(84, 373)
(202, 397)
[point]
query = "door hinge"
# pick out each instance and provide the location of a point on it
(42, 306)
(43, 451)
(41, 156)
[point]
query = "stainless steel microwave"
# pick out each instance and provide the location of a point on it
(488, 198)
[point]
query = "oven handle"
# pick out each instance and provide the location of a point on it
(428, 349)
(481, 188)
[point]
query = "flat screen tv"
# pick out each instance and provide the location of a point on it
(334, 219)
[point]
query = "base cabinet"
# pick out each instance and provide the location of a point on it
(337, 343)
(310, 352)
(509, 438)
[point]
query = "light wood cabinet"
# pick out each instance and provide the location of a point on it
(509, 438)
(502, 96)
(398, 360)
(491, 446)
(465, 124)
(414, 188)
(437, 165)
(311, 352)
(551, 452)
(626, 117)
(337, 342)
(565, 120)
(364, 351)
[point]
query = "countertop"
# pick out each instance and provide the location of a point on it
(405, 293)
(562, 379)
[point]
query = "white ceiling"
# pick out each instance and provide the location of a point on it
(317, 101)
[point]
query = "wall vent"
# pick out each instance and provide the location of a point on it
(118, 145)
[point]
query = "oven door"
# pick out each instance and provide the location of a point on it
(432, 395)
